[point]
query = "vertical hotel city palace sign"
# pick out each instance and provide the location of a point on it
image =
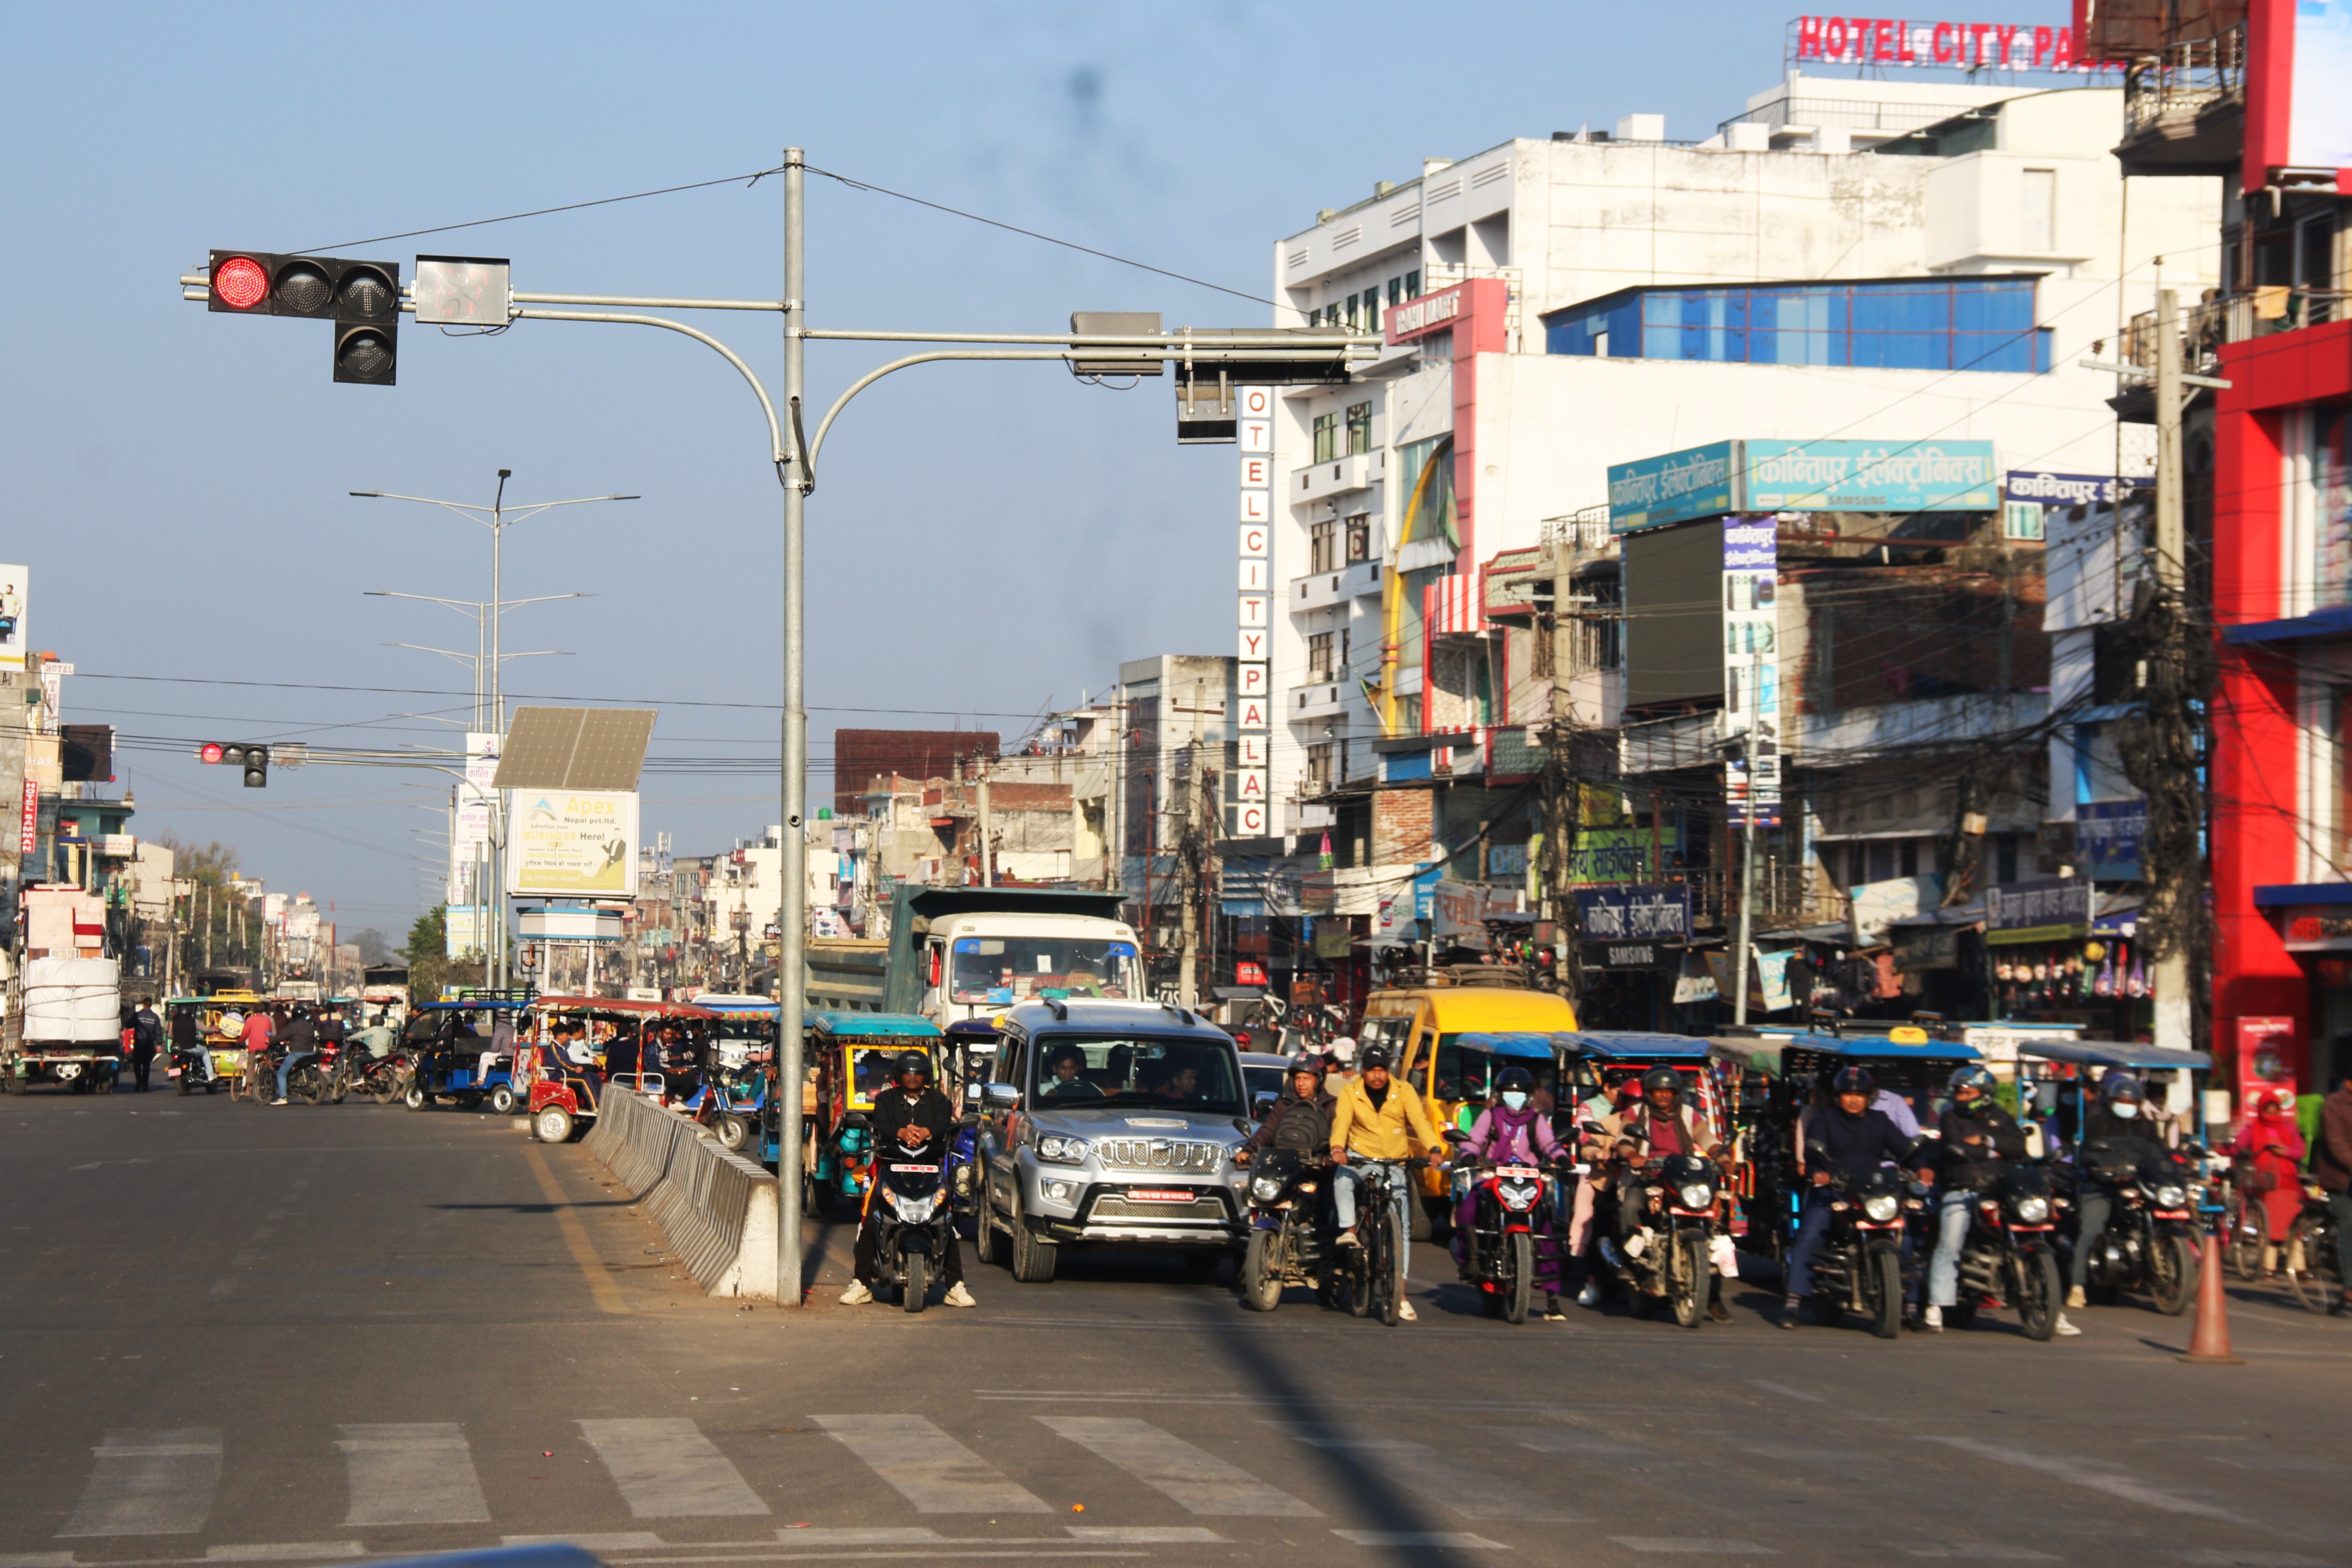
(1252, 691)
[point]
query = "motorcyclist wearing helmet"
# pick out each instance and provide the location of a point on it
(1658, 1126)
(1979, 1132)
(1852, 1138)
(1513, 1131)
(1301, 1119)
(907, 1115)
(2115, 1136)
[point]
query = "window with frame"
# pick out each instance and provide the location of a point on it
(1326, 439)
(1412, 284)
(1318, 655)
(1968, 323)
(1359, 538)
(1322, 544)
(1396, 290)
(1318, 764)
(1359, 428)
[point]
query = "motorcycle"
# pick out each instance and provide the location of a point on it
(1511, 1208)
(915, 1234)
(2314, 1241)
(2150, 1242)
(191, 1065)
(2009, 1260)
(1289, 1244)
(1676, 1262)
(1859, 1268)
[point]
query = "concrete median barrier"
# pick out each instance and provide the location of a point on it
(716, 1209)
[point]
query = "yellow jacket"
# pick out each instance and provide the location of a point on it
(1370, 1132)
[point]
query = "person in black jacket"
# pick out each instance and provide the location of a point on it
(907, 1115)
(1301, 1119)
(299, 1040)
(1979, 1133)
(2115, 1140)
(1851, 1141)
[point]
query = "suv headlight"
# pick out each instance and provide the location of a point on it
(2033, 1208)
(1881, 1206)
(1698, 1196)
(1266, 1189)
(2171, 1196)
(1062, 1150)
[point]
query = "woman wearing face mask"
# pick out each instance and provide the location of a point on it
(2115, 1136)
(2270, 1148)
(1513, 1131)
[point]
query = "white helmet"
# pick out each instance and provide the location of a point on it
(1341, 1050)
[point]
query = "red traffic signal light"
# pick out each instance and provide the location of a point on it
(362, 298)
(210, 752)
(253, 759)
(239, 282)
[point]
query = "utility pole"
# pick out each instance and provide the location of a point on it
(791, 915)
(987, 832)
(1746, 853)
(2173, 1028)
(1192, 866)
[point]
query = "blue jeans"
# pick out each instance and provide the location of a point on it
(1350, 1176)
(1957, 1212)
(1809, 1232)
(287, 1067)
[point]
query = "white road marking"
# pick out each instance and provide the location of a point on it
(1976, 1552)
(1705, 1544)
(886, 1535)
(1453, 1539)
(284, 1551)
(667, 1469)
(617, 1540)
(2090, 1475)
(1784, 1390)
(1439, 1479)
(2223, 1557)
(412, 1473)
(150, 1483)
(1178, 1471)
(930, 1468)
(1143, 1534)
(36, 1559)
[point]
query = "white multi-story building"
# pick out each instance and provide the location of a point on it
(1864, 260)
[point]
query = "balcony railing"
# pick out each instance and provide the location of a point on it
(2234, 319)
(2184, 81)
(1786, 897)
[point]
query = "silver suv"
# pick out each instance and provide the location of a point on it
(1111, 1124)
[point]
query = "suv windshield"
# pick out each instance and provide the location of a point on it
(1083, 1071)
(1011, 968)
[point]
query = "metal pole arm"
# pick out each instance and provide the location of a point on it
(776, 434)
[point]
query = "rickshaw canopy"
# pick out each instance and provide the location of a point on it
(874, 1026)
(2114, 1053)
(1883, 1048)
(1530, 1046)
(601, 1006)
(1628, 1044)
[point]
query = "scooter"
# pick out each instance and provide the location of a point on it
(912, 1242)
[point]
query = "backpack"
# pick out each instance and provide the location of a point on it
(1297, 1128)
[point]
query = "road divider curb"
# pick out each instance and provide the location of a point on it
(717, 1210)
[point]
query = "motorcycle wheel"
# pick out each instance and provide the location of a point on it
(914, 1282)
(2172, 1275)
(730, 1132)
(1520, 1294)
(1261, 1281)
(1033, 1260)
(2312, 1288)
(1693, 1273)
(186, 1087)
(1882, 1284)
(382, 1086)
(552, 1124)
(2037, 1295)
(304, 1085)
(502, 1099)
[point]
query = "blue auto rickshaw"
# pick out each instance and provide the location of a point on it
(732, 1099)
(850, 1058)
(453, 1054)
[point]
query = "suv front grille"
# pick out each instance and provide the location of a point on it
(1113, 1205)
(1160, 1154)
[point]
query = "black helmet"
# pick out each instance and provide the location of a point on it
(2122, 1088)
(1853, 1081)
(914, 1061)
(1970, 1075)
(1515, 1078)
(1662, 1078)
(1307, 1061)
(1372, 1056)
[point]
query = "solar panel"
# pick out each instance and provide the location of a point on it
(575, 748)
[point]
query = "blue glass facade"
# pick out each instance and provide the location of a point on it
(1903, 323)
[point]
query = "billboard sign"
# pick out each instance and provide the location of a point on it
(2057, 908)
(1751, 668)
(1870, 476)
(2298, 57)
(1700, 482)
(1634, 911)
(572, 843)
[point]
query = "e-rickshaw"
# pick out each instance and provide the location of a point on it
(730, 1099)
(564, 1091)
(220, 1025)
(851, 1056)
(450, 1055)
(1902, 1060)
(1601, 1075)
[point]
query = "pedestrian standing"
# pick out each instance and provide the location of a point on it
(2268, 1149)
(2331, 1167)
(146, 1037)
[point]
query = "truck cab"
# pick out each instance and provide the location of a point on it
(978, 964)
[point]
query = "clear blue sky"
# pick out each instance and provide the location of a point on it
(986, 540)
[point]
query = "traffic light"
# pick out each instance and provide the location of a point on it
(253, 759)
(360, 297)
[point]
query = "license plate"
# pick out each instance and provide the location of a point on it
(922, 1170)
(1159, 1195)
(1517, 1172)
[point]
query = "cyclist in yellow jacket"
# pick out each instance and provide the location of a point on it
(1378, 1117)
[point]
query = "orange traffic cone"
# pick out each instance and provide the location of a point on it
(2209, 1341)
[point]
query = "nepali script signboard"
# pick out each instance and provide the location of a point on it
(2056, 909)
(1634, 910)
(1753, 474)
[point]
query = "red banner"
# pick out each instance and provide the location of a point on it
(1897, 41)
(28, 834)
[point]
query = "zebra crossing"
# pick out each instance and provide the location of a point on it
(895, 1480)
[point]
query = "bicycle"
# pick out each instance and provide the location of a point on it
(1373, 1288)
(2242, 1233)
(2319, 1285)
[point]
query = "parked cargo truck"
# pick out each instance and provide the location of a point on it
(66, 1026)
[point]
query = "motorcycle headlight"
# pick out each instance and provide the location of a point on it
(915, 1211)
(1698, 1196)
(2169, 1196)
(1062, 1150)
(2034, 1209)
(1517, 1197)
(1266, 1189)
(1881, 1206)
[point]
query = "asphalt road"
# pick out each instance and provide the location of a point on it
(305, 1335)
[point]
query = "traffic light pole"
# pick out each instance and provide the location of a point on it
(1104, 353)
